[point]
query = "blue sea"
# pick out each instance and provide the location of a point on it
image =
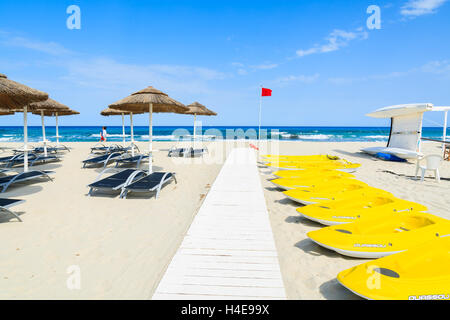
(168, 133)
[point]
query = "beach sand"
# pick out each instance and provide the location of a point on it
(122, 247)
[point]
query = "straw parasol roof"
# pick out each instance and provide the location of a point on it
(49, 105)
(112, 112)
(140, 101)
(14, 95)
(199, 110)
(52, 113)
(6, 112)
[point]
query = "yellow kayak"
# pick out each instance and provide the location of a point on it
(381, 236)
(421, 273)
(341, 165)
(306, 174)
(355, 188)
(288, 184)
(300, 158)
(354, 209)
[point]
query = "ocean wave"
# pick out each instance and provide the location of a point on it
(7, 139)
(376, 137)
(318, 137)
(280, 133)
(97, 135)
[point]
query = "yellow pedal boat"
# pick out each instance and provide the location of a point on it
(306, 174)
(336, 192)
(318, 157)
(321, 165)
(311, 182)
(381, 236)
(421, 273)
(353, 209)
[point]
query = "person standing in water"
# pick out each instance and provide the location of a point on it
(103, 135)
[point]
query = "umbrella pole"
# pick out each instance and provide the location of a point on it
(25, 140)
(123, 128)
(132, 134)
(259, 123)
(444, 133)
(195, 119)
(43, 133)
(57, 131)
(150, 132)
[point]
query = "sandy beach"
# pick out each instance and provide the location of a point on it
(122, 247)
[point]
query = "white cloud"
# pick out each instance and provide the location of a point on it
(243, 70)
(51, 48)
(237, 64)
(434, 67)
(283, 81)
(265, 66)
(108, 74)
(415, 8)
(335, 41)
(437, 67)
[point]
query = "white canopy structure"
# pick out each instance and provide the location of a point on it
(444, 133)
(406, 129)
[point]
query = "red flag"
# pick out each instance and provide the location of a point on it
(266, 92)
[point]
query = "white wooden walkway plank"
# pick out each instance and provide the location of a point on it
(192, 259)
(234, 253)
(228, 244)
(228, 252)
(178, 296)
(224, 281)
(231, 236)
(228, 266)
(224, 290)
(220, 273)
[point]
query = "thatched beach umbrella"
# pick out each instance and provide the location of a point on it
(112, 112)
(56, 114)
(16, 96)
(149, 100)
(198, 109)
(48, 105)
(6, 112)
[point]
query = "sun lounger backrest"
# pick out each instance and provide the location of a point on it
(5, 203)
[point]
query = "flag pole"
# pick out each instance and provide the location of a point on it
(259, 122)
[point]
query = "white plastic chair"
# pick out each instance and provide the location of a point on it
(433, 161)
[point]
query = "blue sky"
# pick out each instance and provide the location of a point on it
(324, 65)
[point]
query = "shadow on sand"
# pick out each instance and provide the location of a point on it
(361, 155)
(21, 189)
(309, 247)
(333, 290)
(412, 177)
(6, 217)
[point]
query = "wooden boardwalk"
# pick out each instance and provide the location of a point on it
(229, 251)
